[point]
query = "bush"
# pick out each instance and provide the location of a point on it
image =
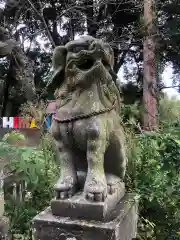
(37, 167)
(169, 116)
(156, 178)
(169, 110)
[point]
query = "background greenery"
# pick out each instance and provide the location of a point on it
(37, 167)
(38, 26)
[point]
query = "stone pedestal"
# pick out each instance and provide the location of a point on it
(3, 220)
(4, 227)
(1, 203)
(120, 225)
(78, 207)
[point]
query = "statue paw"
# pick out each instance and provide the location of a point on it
(96, 191)
(65, 188)
(113, 183)
(111, 188)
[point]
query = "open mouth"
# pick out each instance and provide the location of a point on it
(86, 64)
(89, 63)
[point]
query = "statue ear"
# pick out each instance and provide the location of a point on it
(113, 75)
(58, 63)
(59, 57)
(59, 60)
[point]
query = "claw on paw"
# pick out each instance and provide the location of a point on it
(65, 188)
(96, 192)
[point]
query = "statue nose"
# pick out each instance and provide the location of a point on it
(96, 45)
(98, 53)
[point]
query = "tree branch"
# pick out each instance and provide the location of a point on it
(121, 61)
(40, 15)
(164, 87)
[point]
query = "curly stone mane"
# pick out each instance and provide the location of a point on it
(83, 60)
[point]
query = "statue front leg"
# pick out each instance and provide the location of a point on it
(67, 183)
(95, 186)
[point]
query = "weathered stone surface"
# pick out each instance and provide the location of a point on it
(121, 225)
(91, 152)
(1, 190)
(4, 223)
(79, 207)
(86, 128)
(1, 203)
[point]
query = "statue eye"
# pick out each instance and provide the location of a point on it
(79, 48)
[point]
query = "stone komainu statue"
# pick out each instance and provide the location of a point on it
(86, 128)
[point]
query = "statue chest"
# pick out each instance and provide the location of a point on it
(77, 133)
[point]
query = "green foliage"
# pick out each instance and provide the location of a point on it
(36, 111)
(36, 166)
(169, 109)
(156, 178)
(131, 114)
(154, 171)
(169, 115)
(14, 135)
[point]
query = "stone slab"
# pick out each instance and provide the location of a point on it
(1, 192)
(79, 207)
(121, 226)
(4, 227)
(1, 203)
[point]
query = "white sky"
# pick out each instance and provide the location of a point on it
(167, 78)
(2, 4)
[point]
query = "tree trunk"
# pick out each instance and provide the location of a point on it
(92, 26)
(149, 79)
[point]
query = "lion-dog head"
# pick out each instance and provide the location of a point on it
(82, 61)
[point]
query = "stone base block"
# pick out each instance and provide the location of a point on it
(4, 227)
(123, 226)
(78, 207)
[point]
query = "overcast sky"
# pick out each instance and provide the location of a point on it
(167, 78)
